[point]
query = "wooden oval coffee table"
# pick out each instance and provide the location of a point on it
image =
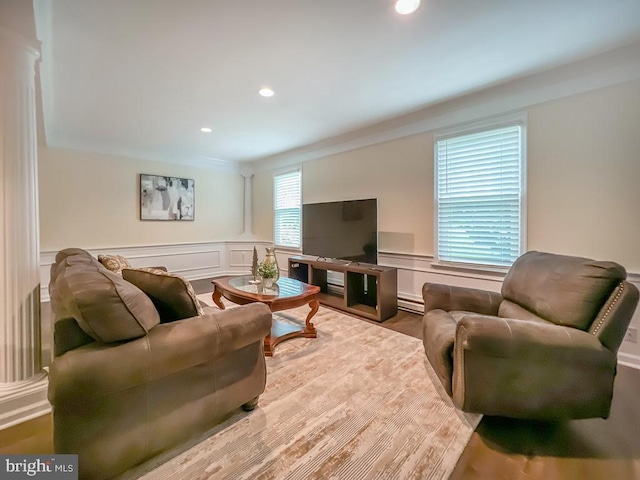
(285, 294)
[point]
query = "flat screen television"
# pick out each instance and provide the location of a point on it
(345, 230)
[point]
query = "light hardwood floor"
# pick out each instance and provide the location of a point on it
(500, 448)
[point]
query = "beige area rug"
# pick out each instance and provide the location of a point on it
(358, 402)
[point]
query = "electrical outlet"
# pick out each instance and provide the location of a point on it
(631, 335)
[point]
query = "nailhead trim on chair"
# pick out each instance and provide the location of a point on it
(615, 299)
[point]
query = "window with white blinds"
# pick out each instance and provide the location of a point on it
(287, 197)
(479, 196)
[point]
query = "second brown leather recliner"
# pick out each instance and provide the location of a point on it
(545, 348)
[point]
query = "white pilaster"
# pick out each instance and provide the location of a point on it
(247, 233)
(23, 383)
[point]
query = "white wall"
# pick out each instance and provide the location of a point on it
(399, 173)
(90, 200)
(583, 175)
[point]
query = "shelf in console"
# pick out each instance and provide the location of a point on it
(331, 300)
(369, 290)
(366, 309)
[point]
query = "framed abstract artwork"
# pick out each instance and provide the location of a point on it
(166, 198)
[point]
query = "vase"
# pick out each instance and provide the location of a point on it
(268, 282)
(270, 257)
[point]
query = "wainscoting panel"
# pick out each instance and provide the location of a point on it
(193, 265)
(193, 261)
(240, 257)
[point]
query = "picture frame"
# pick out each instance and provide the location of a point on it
(166, 198)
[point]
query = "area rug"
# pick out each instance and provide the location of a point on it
(358, 402)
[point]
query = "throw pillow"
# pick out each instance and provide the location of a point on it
(115, 263)
(106, 307)
(172, 294)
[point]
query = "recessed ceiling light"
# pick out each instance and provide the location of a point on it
(206, 130)
(266, 92)
(405, 7)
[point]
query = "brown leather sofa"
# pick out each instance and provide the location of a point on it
(545, 348)
(127, 383)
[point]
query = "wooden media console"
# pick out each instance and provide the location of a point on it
(370, 291)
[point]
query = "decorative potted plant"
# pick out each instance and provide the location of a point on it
(268, 271)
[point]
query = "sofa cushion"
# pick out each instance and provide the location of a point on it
(172, 295)
(115, 263)
(561, 289)
(107, 308)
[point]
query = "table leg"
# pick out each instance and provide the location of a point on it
(216, 296)
(268, 349)
(313, 305)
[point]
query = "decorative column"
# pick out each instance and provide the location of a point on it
(23, 383)
(248, 207)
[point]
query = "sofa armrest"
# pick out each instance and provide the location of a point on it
(209, 336)
(447, 297)
(520, 368)
(97, 370)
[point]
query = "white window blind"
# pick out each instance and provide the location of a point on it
(287, 195)
(479, 197)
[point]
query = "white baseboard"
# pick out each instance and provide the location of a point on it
(628, 360)
(410, 305)
(24, 401)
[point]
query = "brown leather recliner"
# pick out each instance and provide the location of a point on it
(545, 348)
(126, 383)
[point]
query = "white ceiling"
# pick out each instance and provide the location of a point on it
(140, 77)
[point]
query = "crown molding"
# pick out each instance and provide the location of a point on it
(606, 69)
(207, 163)
(215, 164)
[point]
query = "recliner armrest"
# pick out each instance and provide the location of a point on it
(448, 298)
(517, 339)
(526, 369)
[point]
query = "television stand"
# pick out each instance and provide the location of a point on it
(370, 291)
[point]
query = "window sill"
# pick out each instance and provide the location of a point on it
(470, 267)
(292, 250)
